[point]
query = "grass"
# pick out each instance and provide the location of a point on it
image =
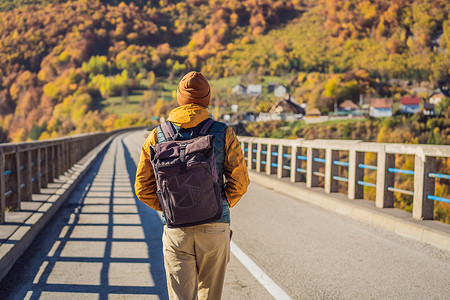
(117, 106)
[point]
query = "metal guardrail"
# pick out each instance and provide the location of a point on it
(27, 167)
(275, 156)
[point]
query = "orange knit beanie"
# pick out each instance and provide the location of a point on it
(194, 88)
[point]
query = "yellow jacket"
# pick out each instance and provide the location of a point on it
(235, 169)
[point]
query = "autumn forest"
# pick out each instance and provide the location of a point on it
(59, 59)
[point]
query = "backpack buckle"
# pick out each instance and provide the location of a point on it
(183, 163)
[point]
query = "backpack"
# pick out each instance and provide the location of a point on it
(186, 176)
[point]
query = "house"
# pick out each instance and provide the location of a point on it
(409, 105)
(380, 107)
(348, 105)
(313, 112)
(287, 106)
(280, 91)
(239, 89)
(436, 98)
(254, 89)
(428, 109)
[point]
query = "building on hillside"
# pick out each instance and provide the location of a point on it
(380, 107)
(428, 109)
(313, 113)
(287, 106)
(271, 87)
(348, 105)
(239, 89)
(436, 98)
(254, 89)
(409, 105)
(280, 91)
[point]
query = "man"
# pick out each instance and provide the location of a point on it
(195, 257)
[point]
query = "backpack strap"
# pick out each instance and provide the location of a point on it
(167, 130)
(204, 130)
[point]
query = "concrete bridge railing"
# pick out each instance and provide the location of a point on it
(309, 160)
(27, 167)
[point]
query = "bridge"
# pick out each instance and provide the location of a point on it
(72, 228)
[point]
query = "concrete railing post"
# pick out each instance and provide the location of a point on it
(36, 169)
(355, 174)
(280, 161)
(52, 163)
(385, 198)
(17, 195)
(294, 174)
(26, 174)
(269, 159)
(423, 208)
(312, 166)
(258, 157)
(2, 187)
(331, 186)
(44, 166)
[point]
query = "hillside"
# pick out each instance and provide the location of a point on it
(59, 60)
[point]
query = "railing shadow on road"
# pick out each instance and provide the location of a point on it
(32, 276)
(153, 230)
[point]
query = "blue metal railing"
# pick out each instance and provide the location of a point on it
(300, 170)
(338, 178)
(393, 189)
(436, 198)
(366, 183)
(340, 163)
(336, 163)
(369, 167)
(441, 176)
(400, 171)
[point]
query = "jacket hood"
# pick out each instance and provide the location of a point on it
(187, 116)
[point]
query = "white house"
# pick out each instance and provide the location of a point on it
(239, 89)
(254, 89)
(436, 98)
(280, 91)
(381, 107)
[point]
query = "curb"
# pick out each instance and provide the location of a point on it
(21, 239)
(404, 226)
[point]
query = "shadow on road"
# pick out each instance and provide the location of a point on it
(55, 265)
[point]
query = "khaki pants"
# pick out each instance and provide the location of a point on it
(195, 259)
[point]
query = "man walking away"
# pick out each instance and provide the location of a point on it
(195, 257)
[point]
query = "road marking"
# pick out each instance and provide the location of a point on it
(259, 274)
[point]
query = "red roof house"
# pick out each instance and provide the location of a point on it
(410, 105)
(410, 100)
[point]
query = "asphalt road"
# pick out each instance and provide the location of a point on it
(310, 253)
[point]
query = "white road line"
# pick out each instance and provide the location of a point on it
(273, 288)
(259, 274)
